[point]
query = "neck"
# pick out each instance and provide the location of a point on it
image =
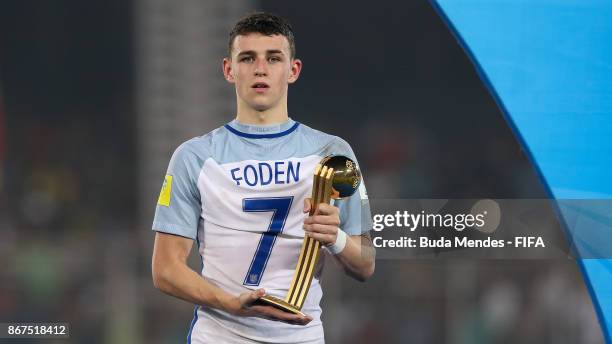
(274, 115)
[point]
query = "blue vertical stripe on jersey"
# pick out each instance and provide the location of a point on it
(195, 318)
(195, 311)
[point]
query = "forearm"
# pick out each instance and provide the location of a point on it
(358, 257)
(172, 276)
(180, 281)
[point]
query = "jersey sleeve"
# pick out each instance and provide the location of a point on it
(355, 213)
(179, 205)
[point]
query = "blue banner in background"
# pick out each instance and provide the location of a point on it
(548, 64)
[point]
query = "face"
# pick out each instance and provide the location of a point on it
(261, 69)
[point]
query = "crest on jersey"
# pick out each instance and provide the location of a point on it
(253, 278)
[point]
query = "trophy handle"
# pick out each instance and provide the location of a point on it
(309, 254)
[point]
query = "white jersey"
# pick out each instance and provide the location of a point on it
(239, 192)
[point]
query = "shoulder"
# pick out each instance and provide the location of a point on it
(196, 150)
(331, 144)
(202, 146)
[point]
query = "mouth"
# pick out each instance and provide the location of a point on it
(260, 87)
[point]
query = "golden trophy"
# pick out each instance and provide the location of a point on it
(335, 177)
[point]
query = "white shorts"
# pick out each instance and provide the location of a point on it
(209, 331)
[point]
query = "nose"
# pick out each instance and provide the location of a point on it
(260, 67)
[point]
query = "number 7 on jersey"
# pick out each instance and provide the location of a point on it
(279, 206)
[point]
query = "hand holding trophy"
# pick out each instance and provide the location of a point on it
(335, 177)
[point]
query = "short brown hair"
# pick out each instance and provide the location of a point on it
(266, 24)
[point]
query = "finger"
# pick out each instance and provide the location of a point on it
(307, 205)
(323, 219)
(291, 318)
(279, 315)
(300, 322)
(327, 209)
(252, 296)
(319, 228)
(322, 238)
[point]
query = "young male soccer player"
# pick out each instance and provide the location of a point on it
(241, 192)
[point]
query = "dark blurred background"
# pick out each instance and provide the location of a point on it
(96, 95)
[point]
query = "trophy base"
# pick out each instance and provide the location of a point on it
(280, 304)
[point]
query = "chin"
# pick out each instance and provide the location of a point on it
(261, 107)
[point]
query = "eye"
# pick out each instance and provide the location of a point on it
(247, 59)
(273, 59)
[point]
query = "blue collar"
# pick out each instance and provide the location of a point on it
(262, 131)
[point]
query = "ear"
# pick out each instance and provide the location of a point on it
(296, 68)
(227, 70)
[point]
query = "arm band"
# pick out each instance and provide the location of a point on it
(340, 243)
